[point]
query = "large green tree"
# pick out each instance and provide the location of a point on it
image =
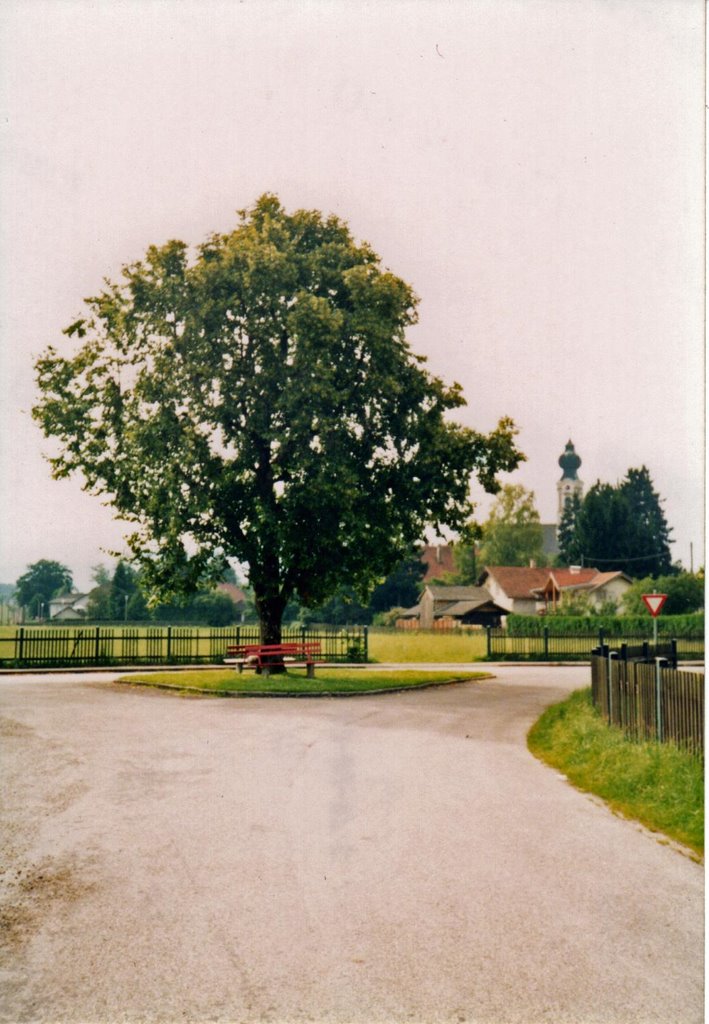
(258, 400)
(42, 581)
(512, 533)
(624, 527)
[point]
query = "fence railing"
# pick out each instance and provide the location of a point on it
(170, 645)
(649, 699)
(549, 646)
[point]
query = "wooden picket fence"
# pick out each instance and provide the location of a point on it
(649, 699)
(550, 646)
(154, 645)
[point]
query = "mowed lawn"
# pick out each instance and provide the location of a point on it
(345, 680)
(409, 646)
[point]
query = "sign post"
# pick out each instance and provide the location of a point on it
(654, 603)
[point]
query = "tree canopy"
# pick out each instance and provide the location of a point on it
(619, 527)
(512, 533)
(685, 594)
(258, 400)
(42, 581)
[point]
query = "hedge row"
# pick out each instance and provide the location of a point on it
(612, 625)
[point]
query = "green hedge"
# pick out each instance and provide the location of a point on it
(674, 626)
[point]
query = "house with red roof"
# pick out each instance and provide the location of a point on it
(439, 560)
(528, 590)
(600, 586)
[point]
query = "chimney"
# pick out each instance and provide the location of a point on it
(575, 569)
(439, 554)
(532, 563)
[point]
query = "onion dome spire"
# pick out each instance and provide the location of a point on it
(569, 462)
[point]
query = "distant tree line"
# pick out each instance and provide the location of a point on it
(619, 527)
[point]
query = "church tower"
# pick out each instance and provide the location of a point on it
(569, 485)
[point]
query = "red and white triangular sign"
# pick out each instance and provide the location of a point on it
(654, 603)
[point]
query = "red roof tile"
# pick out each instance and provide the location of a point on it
(439, 559)
(518, 581)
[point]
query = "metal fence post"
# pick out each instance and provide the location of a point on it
(366, 644)
(97, 645)
(488, 630)
(168, 654)
(546, 642)
(21, 645)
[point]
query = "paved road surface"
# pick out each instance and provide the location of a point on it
(373, 860)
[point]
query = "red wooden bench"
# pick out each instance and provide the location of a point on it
(263, 657)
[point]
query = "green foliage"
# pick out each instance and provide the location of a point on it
(215, 609)
(574, 603)
(208, 608)
(512, 533)
(653, 783)
(685, 594)
(612, 625)
(99, 603)
(621, 527)
(123, 586)
(569, 549)
(101, 575)
(258, 401)
(400, 589)
(117, 597)
(402, 586)
(389, 618)
(468, 564)
(42, 580)
(343, 608)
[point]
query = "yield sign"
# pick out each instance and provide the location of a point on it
(654, 603)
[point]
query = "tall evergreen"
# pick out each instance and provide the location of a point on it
(651, 534)
(569, 549)
(620, 527)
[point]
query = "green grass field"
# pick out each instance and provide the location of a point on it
(653, 783)
(403, 646)
(331, 680)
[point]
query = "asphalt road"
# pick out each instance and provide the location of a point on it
(371, 860)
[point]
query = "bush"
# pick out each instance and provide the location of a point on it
(674, 626)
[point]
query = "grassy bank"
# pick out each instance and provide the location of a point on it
(344, 680)
(653, 783)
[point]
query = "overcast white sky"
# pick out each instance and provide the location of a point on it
(533, 168)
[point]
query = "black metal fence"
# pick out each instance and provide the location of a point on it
(649, 698)
(170, 645)
(549, 646)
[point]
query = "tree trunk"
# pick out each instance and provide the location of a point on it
(270, 612)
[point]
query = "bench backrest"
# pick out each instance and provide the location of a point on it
(296, 649)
